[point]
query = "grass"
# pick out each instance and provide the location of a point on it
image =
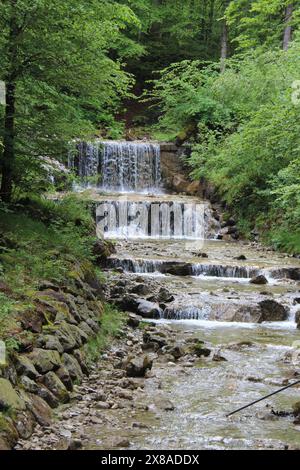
(42, 240)
(112, 321)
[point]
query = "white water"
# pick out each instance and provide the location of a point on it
(120, 166)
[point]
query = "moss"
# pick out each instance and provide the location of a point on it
(112, 321)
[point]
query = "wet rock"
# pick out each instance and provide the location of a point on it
(55, 385)
(297, 318)
(272, 311)
(148, 309)
(140, 289)
(177, 351)
(241, 258)
(239, 346)
(9, 398)
(45, 360)
(217, 357)
(164, 295)
(139, 366)
(259, 280)
(178, 269)
(134, 320)
(152, 338)
(200, 350)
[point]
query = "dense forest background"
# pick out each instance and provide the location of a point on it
(221, 75)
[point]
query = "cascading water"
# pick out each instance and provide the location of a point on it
(121, 166)
(121, 218)
(130, 166)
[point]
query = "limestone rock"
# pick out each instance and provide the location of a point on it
(24, 366)
(259, 280)
(9, 399)
(40, 410)
(138, 366)
(73, 367)
(55, 385)
(272, 311)
(45, 360)
(63, 374)
(148, 309)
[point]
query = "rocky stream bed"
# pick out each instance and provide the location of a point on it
(177, 369)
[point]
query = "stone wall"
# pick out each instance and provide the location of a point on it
(51, 356)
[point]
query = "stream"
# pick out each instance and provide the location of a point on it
(194, 289)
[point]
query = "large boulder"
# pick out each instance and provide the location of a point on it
(9, 398)
(73, 367)
(138, 366)
(148, 309)
(259, 280)
(8, 433)
(63, 374)
(55, 385)
(272, 311)
(24, 366)
(40, 410)
(45, 360)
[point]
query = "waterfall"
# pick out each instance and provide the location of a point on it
(213, 270)
(85, 161)
(180, 268)
(121, 218)
(121, 166)
(130, 166)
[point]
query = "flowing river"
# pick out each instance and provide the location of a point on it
(249, 327)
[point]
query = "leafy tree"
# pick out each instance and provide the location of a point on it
(62, 64)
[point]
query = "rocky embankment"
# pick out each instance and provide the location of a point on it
(114, 402)
(51, 354)
(136, 387)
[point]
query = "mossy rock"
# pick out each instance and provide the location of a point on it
(55, 385)
(296, 409)
(9, 399)
(45, 360)
(8, 433)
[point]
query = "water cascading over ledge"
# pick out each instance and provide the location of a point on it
(121, 166)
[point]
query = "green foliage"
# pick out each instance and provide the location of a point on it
(111, 323)
(66, 59)
(246, 133)
(183, 96)
(45, 239)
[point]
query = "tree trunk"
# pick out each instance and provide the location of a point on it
(288, 27)
(224, 46)
(8, 156)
